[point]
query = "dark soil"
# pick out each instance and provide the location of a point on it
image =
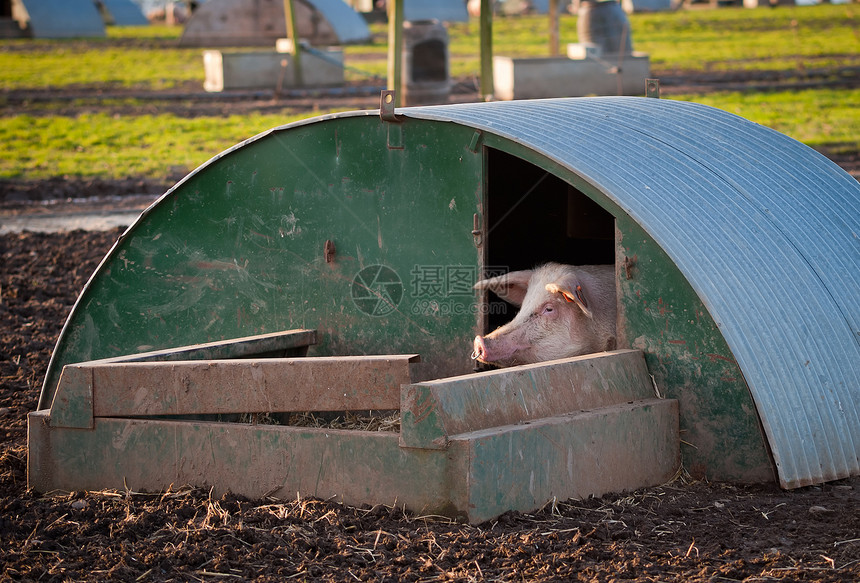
(683, 531)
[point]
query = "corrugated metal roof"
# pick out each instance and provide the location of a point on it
(765, 229)
(348, 24)
(125, 13)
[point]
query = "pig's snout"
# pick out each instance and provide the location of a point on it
(480, 349)
(491, 350)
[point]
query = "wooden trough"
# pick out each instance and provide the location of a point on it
(470, 447)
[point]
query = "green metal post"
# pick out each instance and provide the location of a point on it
(486, 50)
(553, 28)
(292, 34)
(395, 47)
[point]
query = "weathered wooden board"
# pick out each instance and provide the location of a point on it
(434, 410)
(134, 389)
(472, 447)
(480, 475)
(354, 467)
(611, 449)
(273, 345)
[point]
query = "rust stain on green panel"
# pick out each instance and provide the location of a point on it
(662, 316)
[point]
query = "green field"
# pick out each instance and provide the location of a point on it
(73, 138)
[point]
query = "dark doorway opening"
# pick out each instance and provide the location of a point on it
(532, 217)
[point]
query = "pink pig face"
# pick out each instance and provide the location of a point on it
(565, 311)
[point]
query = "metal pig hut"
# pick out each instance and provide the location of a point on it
(305, 268)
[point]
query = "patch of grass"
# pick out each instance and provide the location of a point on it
(144, 32)
(816, 117)
(740, 39)
(106, 67)
(148, 58)
(92, 145)
(720, 40)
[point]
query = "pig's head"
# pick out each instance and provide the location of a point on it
(564, 311)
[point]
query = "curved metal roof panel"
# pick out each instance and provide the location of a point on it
(348, 24)
(64, 18)
(443, 10)
(254, 23)
(765, 229)
(125, 13)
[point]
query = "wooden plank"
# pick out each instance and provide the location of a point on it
(73, 407)
(481, 475)
(612, 449)
(287, 343)
(434, 410)
(353, 467)
(129, 389)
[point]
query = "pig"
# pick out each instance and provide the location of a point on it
(565, 311)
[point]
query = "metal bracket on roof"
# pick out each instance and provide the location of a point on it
(386, 113)
(387, 99)
(652, 88)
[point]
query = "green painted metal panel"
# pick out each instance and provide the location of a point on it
(239, 248)
(661, 315)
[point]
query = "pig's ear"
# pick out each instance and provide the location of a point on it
(511, 287)
(572, 292)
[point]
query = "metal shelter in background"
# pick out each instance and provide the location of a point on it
(59, 18)
(262, 22)
(123, 13)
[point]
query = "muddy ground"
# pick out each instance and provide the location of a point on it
(683, 531)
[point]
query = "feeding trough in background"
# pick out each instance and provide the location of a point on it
(293, 63)
(603, 63)
(370, 230)
(584, 71)
(416, 10)
(228, 70)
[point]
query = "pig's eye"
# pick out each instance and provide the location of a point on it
(548, 309)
